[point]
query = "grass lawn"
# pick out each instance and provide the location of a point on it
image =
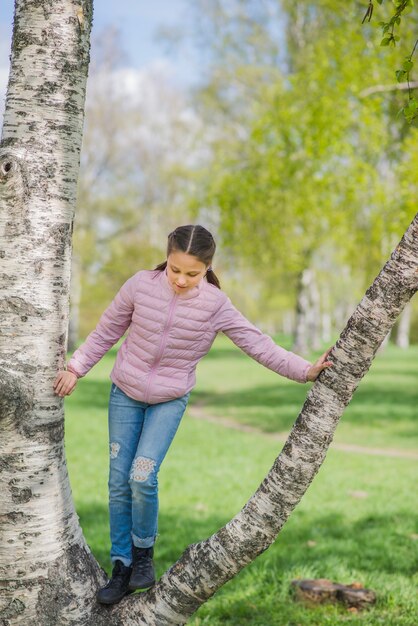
(357, 521)
(383, 412)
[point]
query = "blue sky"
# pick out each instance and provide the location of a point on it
(138, 22)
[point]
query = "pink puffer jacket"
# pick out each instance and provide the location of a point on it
(169, 333)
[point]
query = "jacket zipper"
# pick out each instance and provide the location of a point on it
(162, 346)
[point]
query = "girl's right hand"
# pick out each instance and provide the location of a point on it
(65, 383)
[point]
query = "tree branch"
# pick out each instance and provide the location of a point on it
(384, 88)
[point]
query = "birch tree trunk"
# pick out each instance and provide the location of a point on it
(307, 329)
(314, 319)
(48, 575)
(404, 327)
(301, 340)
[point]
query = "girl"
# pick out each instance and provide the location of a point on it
(173, 314)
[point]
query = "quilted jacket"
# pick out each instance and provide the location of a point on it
(169, 333)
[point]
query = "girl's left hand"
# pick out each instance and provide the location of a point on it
(319, 365)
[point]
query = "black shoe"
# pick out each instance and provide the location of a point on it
(143, 574)
(117, 587)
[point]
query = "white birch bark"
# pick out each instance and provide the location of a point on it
(307, 329)
(314, 314)
(300, 343)
(404, 327)
(46, 569)
(326, 327)
(48, 576)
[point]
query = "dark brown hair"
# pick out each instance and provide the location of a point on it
(196, 241)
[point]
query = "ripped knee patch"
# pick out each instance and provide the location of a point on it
(141, 468)
(114, 450)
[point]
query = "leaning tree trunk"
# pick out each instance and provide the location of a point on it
(207, 565)
(48, 575)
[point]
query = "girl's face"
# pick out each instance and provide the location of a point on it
(184, 271)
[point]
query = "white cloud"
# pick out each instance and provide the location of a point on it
(153, 112)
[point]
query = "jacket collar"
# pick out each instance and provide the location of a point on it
(191, 293)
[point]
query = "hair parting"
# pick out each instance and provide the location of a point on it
(196, 241)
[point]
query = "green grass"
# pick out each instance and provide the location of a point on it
(211, 471)
(383, 412)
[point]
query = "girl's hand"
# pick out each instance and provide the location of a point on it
(65, 383)
(319, 365)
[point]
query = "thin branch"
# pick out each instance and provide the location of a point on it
(382, 88)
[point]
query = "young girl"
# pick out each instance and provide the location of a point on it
(173, 314)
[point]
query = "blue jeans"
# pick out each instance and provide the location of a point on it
(139, 437)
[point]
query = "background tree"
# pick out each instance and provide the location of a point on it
(313, 163)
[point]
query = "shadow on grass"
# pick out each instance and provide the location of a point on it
(379, 404)
(374, 544)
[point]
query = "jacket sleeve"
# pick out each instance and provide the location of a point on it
(257, 345)
(112, 325)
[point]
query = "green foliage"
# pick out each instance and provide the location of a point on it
(307, 170)
(410, 109)
(123, 258)
(400, 7)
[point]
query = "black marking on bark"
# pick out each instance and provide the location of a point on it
(38, 267)
(13, 609)
(17, 227)
(6, 278)
(72, 72)
(61, 236)
(15, 517)
(56, 597)
(20, 496)
(24, 37)
(19, 306)
(46, 89)
(5, 168)
(44, 433)
(15, 192)
(65, 128)
(60, 340)
(11, 462)
(25, 535)
(7, 142)
(16, 402)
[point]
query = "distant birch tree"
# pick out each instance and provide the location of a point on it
(48, 574)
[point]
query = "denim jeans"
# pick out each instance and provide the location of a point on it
(139, 437)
